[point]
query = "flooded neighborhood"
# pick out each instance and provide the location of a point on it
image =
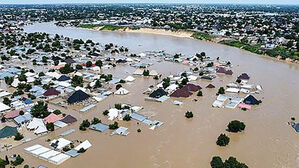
(76, 97)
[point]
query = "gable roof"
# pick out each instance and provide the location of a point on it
(244, 76)
(63, 78)
(191, 87)
(52, 118)
(69, 60)
(158, 93)
(51, 92)
(181, 93)
(77, 96)
(210, 86)
(12, 114)
(69, 119)
(8, 131)
(251, 100)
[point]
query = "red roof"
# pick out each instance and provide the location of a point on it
(12, 114)
(191, 87)
(229, 72)
(181, 93)
(51, 92)
(52, 118)
(221, 70)
(210, 86)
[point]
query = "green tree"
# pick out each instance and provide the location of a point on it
(236, 126)
(217, 162)
(199, 93)
(79, 67)
(77, 81)
(19, 160)
(99, 63)
(222, 140)
(50, 126)
(6, 101)
(40, 110)
(118, 86)
(88, 64)
(95, 120)
(232, 162)
(127, 117)
(189, 114)
(221, 90)
(18, 137)
(106, 112)
(8, 80)
(145, 72)
(57, 112)
(66, 69)
(113, 126)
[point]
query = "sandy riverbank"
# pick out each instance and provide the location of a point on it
(183, 34)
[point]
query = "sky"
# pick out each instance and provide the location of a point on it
(285, 2)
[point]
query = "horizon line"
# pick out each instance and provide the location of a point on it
(196, 3)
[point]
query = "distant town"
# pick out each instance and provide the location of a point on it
(263, 29)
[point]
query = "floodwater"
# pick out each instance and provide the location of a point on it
(267, 142)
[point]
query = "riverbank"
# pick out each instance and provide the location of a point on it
(188, 34)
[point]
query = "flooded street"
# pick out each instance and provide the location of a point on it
(267, 142)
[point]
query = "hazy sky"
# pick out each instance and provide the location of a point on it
(296, 2)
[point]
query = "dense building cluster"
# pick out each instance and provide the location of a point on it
(270, 30)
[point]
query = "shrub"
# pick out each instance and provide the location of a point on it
(216, 162)
(106, 112)
(236, 126)
(95, 121)
(118, 86)
(127, 117)
(85, 124)
(222, 140)
(50, 126)
(138, 130)
(231, 162)
(146, 73)
(19, 160)
(221, 90)
(81, 150)
(199, 93)
(66, 148)
(88, 64)
(189, 114)
(118, 106)
(113, 126)
(57, 112)
(18, 137)
(6, 101)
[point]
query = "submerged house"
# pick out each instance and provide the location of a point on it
(181, 93)
(210, 86)
(296, 127)
(63, 78)
(244, 76)
(191, 87)
(69, 119)
(8, 132)
(78, 96)
(158, 93)
(51, 92)
(251, 100)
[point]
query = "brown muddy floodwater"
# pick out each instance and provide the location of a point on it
(267, 142)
